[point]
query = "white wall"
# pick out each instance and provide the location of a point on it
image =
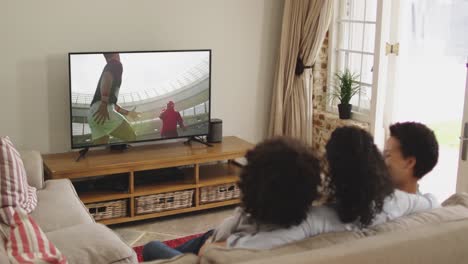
(35, 37)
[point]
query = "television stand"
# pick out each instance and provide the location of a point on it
(119, 147)
(197, 139)
(82, 154)
(149, 173)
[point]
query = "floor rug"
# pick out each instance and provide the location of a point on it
(172, 243)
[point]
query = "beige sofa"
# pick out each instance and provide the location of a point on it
(67, 223)
(433, 237)
(436, 236)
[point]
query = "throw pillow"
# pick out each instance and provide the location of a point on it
(460, 198)
(24, 240)
(14, 188)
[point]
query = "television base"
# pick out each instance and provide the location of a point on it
(82, 154)
(119, 147)
(197, 139)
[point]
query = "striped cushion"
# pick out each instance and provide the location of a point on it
(25, 241)
(14, 188)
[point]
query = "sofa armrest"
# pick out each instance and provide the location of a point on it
(34, 168)
(92, 243)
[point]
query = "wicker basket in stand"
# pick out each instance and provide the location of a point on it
(164, 202)
(108, 210)
(218, 193)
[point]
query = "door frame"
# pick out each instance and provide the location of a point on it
(462, 175)
(378, 126)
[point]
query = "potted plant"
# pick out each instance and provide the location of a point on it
(346, 86)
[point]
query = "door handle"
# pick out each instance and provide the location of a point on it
(464, 140)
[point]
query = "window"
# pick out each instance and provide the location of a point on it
(352, 46)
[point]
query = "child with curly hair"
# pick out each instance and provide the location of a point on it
(278, 185)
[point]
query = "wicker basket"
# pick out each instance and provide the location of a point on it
(217, 193)
(107, 210)
(163, 202)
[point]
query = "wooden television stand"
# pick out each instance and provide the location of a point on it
(202, 166)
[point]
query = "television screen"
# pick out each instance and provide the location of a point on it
(124, 97)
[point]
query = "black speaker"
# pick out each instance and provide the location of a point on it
(216, 131)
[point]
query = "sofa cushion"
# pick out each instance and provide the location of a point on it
(25, 242)
(59, 206)
(224, 255)
(445, 243)
(14, 188)
(92, 243)
(33, 165)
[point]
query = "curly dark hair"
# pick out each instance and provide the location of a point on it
(359, 180)
(279, 182)
(418, 141)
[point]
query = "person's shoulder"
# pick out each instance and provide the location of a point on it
(323, 212)
(399, 195)
(322, 209)
(431, 197)
(321, 219)
(239, 213)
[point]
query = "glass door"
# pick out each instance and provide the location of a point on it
(426, 79)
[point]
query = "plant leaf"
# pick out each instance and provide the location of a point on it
(346, 86)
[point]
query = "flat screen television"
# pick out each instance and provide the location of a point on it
(126, 97)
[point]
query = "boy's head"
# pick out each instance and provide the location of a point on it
(410, 153)
(279, 182)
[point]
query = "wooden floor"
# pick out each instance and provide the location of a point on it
(171, 227)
